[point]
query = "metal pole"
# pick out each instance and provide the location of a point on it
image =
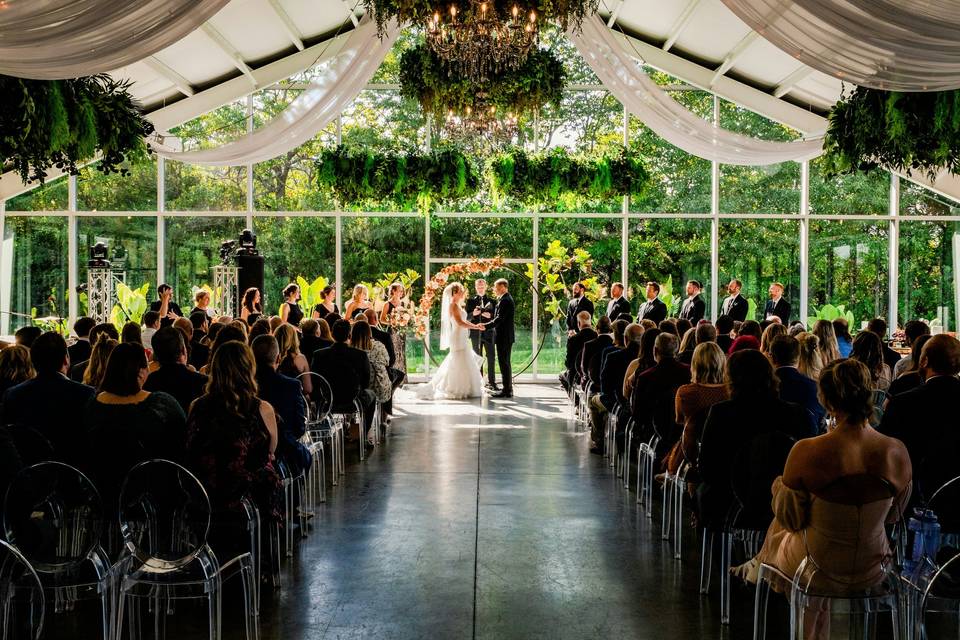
(625, 221)
(804, 239)
(426, 271)
(6, 271)
(339, 129)
(161, 220)
(715, 226)
(535, 331)
(249, 166)
(73, 272)
(338, 258)
(893, 253)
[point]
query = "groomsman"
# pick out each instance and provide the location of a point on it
(777, 307)
(693, 308)
(579, 302)
(735, 305)
(480, 308)
(654, 308)
(619, 307)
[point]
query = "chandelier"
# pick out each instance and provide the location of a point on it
(481, 124)
(482, 44)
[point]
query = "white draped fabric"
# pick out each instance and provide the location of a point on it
(316, 107)
(895, 45)
(623, 76)
(56, 39)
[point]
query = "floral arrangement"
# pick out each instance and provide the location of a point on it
(437, 283)
(401, 317)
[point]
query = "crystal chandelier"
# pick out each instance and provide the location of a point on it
(482, 44)
(483, 123)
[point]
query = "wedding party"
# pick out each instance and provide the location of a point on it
(479, 319)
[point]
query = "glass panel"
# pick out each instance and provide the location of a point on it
(192, 249)
(295, 246)
(52, 196)
(669, 250)
(132, 242)
(462, 237)
(848, 266)
(33, 271)
(855, 193)
(758, 253)
(136, 191)
(193, 188)
(928, 282)
(916, 200)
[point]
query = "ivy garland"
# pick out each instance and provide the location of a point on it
(899, 131)
(425, 77)
(62, 123)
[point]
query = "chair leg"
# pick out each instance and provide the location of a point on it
(726, 550)
(678, 517)
(667, 503)
(706, 561)
(761, 597)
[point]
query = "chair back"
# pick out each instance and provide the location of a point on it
(755, 466)
(945, 502)
(942, 593)
(165, 515)
(320, 402)
(856, 490)
(54, 516)
(22, 600)
(32, 446)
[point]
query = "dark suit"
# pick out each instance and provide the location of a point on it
(736, 307)
(53, 405)
(199, 352)
(655, 310)
(653, 403)
(781, 309)
(575, 351)
(613, 372)
(724, 342)
(483, 340)
(591, 349)
(347, 371)
(285, 395)
(890, 357)
(171, 306)
(693, 309)
(80, 350)
(799, 389)
(386, 340)
(181, 383)
(77, 370)
(503, 324)
(575, 306)
(619, 309)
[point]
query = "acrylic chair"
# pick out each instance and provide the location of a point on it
(320, 429)
(54, 516)
(22, 600)
(940, 599)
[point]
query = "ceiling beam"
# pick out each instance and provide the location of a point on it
(735, 54)
(288, 25)
(164, 71)
(680, 24)
(351, 13)
(791, 81)
(224, 45)
(612, 20)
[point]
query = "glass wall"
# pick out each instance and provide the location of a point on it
(131, 242)
(33, 272)
(192, 249)
(928, 282)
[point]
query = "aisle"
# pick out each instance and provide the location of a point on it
(489, 519)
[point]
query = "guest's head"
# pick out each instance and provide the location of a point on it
(242, 327)
(694, 288)
(131, 334)
(771, 333)
(734, 286)
(26, 336)
(653, 289)
(83, 326)
(260, 328)
(682, 326)
(829, 349)
(846, 391)
(796, 329)
(480, 286)
(232, 384)
(784, 351)
(341, 332)
(15, 365)
(213, 330)
(200, 321)
(647, 344)
(266, 351)
(202, 299)
(151, 320)
(289, 341)
(361, 293)
(97, 365)
(633, 334)
(228, 333)
(126, 370)
(940, 356)
(251, 300)
(750, 375)
(810, 362)
(105, 328)
(841, 329)
(648, 324)
(744, 343)
(49, 354)
(616, 290)
(724, 325)
(309, 328)
(706, 332)
(360, 336)
(275, 321)
(372, 319)
(914, 329)
(604, 325)
(619, 329)
(689, 341)
(169, 347)
(185, 326)
(878, 326)
(584, 319)
(323, 329)
(668, 326)
(707, 365)
(665, 347)
(291, 292)
(915, 350)
(868, 349)
(750, 328)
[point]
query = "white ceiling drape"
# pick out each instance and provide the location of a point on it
(57, 39)
(894, 45)
(310, 112)
(623, 76)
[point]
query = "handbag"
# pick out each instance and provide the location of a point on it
(396, 376)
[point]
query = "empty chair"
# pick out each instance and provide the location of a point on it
(22, 602)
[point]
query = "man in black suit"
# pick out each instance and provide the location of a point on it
(502, 323)
(653, 403)
(735, 305)
(51, 403)
(593, 347)
(575, 349)
(77, 369)
(579, 302)
(724, 328)
(199, 350)
(347, 371)
(878, 326)
(173, 376)
(612, 373)
(285, 394)
(777, 306)
(619, 307)
(480, 309)
(165, 306)
(80, 350)
(693, 308)
(794, 386)
(654, 308)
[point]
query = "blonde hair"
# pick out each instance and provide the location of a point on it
(288, 340)
(771, 332)
(200, 295)
(360, 291)
(829, 348)
(233, 382)
(15, 364)
(846, 388)
(275, 321)
(707, 366)
(240, 324)
(810, 363)
(690, 335)
(97, 366)
(456, 287)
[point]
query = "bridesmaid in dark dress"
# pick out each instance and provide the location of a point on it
(395, 301)
(327, 306)
(291, 311)
(359, 303)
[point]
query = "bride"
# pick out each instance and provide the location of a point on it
(459, 374)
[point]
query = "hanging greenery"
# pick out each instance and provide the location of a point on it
(62, 123)
(407, 180)
(898, 131)
(426, 78)
(543, 178)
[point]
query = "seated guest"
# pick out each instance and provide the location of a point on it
(173, 377)
(868, 349)
(585, 333)
(694, 400)
(126, 424)
(385, 339)
(347, 371)
(688, 342)
(131, 334)
(879, 327)
(232, 437)
(593, 357)
(228, 333)
(310, 337)
(754, 408)
(705, 332)
(201, 303)
(654, 395)
(77, 369)
(25, 336)
(810, 362)
(683, 325)
(275, 321)
(724, 327)
(910, 378)
(15, 367)
(259, 328)
(794, 386)
(612, 376)
(750, 328)
(772, 331)
(199, 350)
(668, 326)
(285, 395)
(292, 362)
(796, 329)
(80, 350)
(645, 360)
(167, 310)
(593, 347)
(97, 365)
(812, 506)
(361, 338)
(827, 337)
(911, 331)
(325, 337)
(844, 339)
(742, 343)
(49, 402)
(243, 328)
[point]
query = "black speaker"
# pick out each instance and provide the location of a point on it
(251, 275)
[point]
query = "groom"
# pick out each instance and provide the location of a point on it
(502, 323)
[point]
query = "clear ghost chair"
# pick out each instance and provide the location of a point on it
(938, 611)
(320, 429)
(22, 602)
(165, 521)
(54, 516)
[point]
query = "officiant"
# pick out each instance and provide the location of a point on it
(480, 309)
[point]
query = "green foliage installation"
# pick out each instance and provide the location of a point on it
(830, 313)
(61, 123)
(898, 131)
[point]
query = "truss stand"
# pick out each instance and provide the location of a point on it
(225, 279)
(99, 284)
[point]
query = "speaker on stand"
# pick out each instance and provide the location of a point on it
(251, 274)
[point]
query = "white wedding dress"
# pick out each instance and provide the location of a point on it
(459, 374)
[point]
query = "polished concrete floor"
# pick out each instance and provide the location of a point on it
(491, 519)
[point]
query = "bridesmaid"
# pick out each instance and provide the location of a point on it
(327, 304)
(290, 311)
(394, 301)
(359, 303)
(250, 304)
(399, 338)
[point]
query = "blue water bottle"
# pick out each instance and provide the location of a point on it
(914, 541)
(931, 535)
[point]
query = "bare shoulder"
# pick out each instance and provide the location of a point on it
(266, 410)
